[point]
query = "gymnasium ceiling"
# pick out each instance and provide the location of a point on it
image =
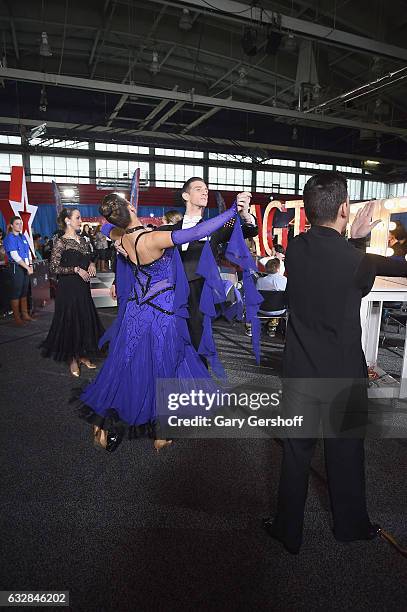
(149, 72)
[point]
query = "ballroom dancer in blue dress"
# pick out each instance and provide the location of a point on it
(151, 340)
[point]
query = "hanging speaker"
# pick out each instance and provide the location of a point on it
(274, 40)
(249, 41)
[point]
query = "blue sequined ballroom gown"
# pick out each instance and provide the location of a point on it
(150, 341)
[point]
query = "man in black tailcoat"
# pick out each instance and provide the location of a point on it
(195, 196)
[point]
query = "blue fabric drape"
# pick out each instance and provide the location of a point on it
(45, 222)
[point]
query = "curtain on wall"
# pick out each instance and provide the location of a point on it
(45, 219)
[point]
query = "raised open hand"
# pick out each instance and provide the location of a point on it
(362, 224)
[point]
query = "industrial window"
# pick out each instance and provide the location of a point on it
(61, 144)
(175, 175)
(230, 179)
(280, 162)
(110, 171)
(230, 157)
(59, 169)
(277, 182)
(398, 189)
(354, 189)
(374, 190)
(7, 160)
(302, 179)
(179, 153)
(15, 140)
(315, 166)
(121, 148)
(349, 169)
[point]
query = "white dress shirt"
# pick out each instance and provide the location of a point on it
(272, 282)
(189, 221)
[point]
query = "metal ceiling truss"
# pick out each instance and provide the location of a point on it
(238, 11)
(168, 43)
(192, 98)
(147, 138)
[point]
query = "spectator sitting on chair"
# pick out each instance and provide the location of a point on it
(274, 281)
(278, 251)
(37, 247)
(46, 248)
(280, 254)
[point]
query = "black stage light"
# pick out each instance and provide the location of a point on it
(249, 41)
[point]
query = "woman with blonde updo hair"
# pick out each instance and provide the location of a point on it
(75, 328)
(171, 217)
(151, 341)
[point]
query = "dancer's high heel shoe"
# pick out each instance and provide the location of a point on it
(75, 371)
(88, 364)
(159, 444)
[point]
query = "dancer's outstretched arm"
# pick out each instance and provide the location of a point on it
(164, 240)
(111, 231)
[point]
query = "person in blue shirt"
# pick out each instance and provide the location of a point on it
(20, 268)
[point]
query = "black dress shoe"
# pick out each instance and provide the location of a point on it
(269, 528)
(372, 532)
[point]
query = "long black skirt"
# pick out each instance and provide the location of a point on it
(76, 327)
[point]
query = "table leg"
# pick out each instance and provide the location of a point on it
(403, 380)
(371, 315)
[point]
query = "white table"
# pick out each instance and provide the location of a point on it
(385, 289)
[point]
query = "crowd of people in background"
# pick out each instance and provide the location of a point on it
(104, 255)
(103, 252)
(99, 246)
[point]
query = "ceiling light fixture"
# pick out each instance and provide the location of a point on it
(43, 100)
(45, 49)
(155, 66)
(376, 66)
(242, 80)
(316, 91)
(290, 44)
(185, 21)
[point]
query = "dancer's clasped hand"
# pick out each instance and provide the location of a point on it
(84, 275)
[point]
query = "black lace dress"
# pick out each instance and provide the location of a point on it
(75, 328)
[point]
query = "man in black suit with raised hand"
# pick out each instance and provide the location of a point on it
(327, 278)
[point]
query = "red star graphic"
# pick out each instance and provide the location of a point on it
(25, 216)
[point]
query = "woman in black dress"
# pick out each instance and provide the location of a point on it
(75, 328)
